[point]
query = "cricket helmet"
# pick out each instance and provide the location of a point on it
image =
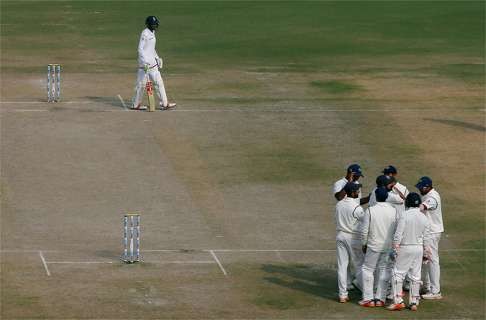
(152, 21)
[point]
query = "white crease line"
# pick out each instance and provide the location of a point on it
(45, 102)
(181, 262)
(78, 262)
(280, 256)
(122, 102)
(218, 262)
(44, 263)
(24, 251)
(30, 110)
(169, 250)
(272, 250)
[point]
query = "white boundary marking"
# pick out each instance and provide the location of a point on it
(44, 263)
(218, 262)
(122, 102)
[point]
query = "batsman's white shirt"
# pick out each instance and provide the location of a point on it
(379, 225)
(412, 228)
(432, 203)
(146, 49)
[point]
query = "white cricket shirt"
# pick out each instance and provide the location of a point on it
(379, 225)
(146, 49)
(432, 203)
(412, 228)
(348, 216)
(339, 185)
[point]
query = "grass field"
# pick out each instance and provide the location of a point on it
(275, 99)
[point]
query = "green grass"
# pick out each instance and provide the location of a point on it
(257, 33)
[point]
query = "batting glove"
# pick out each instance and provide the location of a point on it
(146, 67)
(160, 62)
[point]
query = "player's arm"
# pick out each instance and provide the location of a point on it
(141, 49)
(398, 236)
(365, 200)
(365, 226)
(340, 195)
(429, 204)
(396, 197)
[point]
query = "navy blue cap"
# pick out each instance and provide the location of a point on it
(424, 182)
(381, 194)
(356, 169)
(383, 180)
(351, 187)
(390, 170)
(413, 200)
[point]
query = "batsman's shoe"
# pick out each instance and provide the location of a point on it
(413, 307)
(379, 303)
(169, 106)
(396, 306)
(432, 296)
(139, 107)
(343, 299)
(367, 303)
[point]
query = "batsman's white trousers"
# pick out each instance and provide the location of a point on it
(408, 262)
(154, 75)
(379, 262)
(432, 268)
(349, 260)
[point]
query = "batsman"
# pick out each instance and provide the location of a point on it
(149, 64)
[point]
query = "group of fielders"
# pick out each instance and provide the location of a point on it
(392, 245)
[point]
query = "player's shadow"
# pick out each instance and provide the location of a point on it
(312, 279)
(460, 124)
(111, 101)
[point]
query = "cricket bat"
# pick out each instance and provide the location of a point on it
(150, 94)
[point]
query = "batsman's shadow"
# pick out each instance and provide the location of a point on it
(103, 101)
(312, 279)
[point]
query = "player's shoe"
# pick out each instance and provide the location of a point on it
(139, 107)
(169, 106)
(432, 296)
(413, 307)
(396, 306)
(379, 303)
(343, 299)
(367, 303)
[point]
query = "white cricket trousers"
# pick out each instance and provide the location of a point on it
(349, 260)
(379, 262)
(432, 268)
(158, 83)
(408, 262)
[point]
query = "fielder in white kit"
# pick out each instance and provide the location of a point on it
(398, 191)
(431, 206)
(149, 64)
(379, 224)
(409, 244)
(349, 215)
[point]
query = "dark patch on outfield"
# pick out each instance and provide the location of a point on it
(460, 124)
(335, 86)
